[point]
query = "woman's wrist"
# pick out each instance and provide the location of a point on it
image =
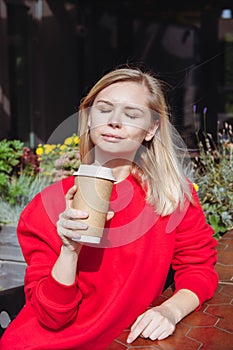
(65, 269)
(181, 304)
(68, 251)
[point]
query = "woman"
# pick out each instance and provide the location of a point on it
(82, 297)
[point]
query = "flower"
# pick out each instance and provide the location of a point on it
(76, 139)
(59, 160)
(72, 140)
(62, 149)
(39, 150)
(68, 141)
(49, 148)
(196, 187)
(204, 110)
(213, 174)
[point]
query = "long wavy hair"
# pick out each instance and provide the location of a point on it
(160, 164)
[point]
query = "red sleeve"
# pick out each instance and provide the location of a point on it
(54, 304)
(195, 254)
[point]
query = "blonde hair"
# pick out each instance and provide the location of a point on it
(158, 164)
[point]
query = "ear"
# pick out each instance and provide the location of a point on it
(151, 132)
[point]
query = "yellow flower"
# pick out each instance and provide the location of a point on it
(68, 141)
(63, 147)
(76, 139)
(39, 150)
(195, 186)
(72, 140)
(49, 148)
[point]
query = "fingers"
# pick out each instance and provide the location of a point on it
(69, 224)
(69, 230)
(152, 324)
(138, 327)
(71, 221)
(73, 214)
(70, 194)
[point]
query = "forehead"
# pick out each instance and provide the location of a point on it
(131, 93)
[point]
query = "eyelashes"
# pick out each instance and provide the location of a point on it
(133, 115)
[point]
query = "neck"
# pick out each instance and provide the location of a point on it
(121, 168)
(121, 165)
(121, 172)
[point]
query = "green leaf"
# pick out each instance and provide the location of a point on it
(214, 220)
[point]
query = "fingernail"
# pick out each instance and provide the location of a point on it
(84, 226)
(129, 340)
(84, 213)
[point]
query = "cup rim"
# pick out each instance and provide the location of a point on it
(92, 170)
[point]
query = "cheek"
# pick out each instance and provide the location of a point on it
(93, 134)
(97, 121)
(95, 127)
(137, 133)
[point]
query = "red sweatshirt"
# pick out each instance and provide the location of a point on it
(115, 282)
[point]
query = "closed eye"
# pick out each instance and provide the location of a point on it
(133, 113)
(131, 116)
(104, 109)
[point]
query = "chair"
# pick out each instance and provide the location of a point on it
(11, 302)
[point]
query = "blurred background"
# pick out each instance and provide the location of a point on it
(53, 51)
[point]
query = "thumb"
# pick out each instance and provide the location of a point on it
(110, 215)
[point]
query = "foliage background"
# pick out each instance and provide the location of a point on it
(213, 173)
(24, 173)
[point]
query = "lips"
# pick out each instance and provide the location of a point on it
(112, 137)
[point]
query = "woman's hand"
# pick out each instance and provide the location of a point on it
(70, 223)
(156, 323)
(160, 321)
(68, 227)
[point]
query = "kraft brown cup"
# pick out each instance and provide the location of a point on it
(94, 185)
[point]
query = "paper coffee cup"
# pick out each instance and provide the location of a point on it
(94, 185)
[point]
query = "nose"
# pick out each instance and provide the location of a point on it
(115, 119)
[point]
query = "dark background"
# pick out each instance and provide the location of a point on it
(52, 51)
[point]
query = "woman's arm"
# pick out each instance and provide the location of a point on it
(69, 224)
(51, 283)
(195, 277)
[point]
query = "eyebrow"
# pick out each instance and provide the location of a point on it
(131, 108)
(126, 107)
(105, 101)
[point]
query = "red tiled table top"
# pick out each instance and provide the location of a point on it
(210, 328)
